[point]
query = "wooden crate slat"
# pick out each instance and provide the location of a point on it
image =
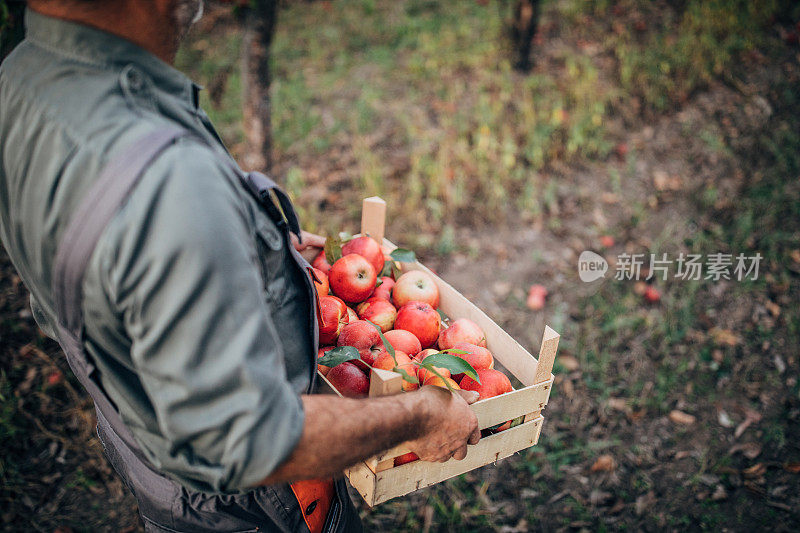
(500, 409)
(409, 477)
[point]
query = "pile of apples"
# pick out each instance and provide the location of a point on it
(360, 309)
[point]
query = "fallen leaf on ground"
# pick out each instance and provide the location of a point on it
(679, 417)
(604, 463)
(644, 502)
(773, 308)
(619, 404)
(793, 468)
(751, 450)
(719, 493)
(665, 182)
(751, 417)
(724, 336)
(569, 363)
(757, 470)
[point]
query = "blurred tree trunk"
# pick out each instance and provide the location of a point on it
(523, 30)
(259, 21)
(12, 29)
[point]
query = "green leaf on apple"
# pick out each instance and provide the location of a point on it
(396, 272)
(389, 348)
(378, 283)
(387, 269)
(406, 376)
(333, 249)
(439, 375)
(443, 316)
(338, 355)
(404, 256)
(454, 351)
(453, 363)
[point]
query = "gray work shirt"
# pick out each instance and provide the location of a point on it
(196, 316)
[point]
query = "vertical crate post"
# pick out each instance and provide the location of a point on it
(544, 365)
(383, 383)
(373, 218)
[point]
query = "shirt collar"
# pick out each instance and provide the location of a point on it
(95, 46)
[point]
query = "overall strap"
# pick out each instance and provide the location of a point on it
(261, 186)
(100, 204)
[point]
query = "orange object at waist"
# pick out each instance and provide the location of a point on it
(315, 497)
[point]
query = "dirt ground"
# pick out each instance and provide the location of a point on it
(613, 454)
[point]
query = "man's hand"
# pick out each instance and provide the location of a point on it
(449, 425)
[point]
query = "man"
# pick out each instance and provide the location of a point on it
(196, 317)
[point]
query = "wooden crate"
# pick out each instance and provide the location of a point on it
(377, 479)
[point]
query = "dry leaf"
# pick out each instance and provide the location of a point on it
(755, 471)
(793, 468)
(635, 416)
(773, 308)
(644, 502)
(679, 417)
(724, 336)
(609, 198)
(569, 363)
(604, 463)
(751, 450)
(724, 419)
(751, 417)
(619, 404)
(719, 493)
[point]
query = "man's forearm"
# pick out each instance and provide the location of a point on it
(339, 432)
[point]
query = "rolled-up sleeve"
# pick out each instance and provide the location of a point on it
(187, 283)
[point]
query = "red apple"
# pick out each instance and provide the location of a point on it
(332, 318)
(415, 286)
(378, 311)
(322, 368)
(436, 381)
(420, 319)
(384, 290)
(321, 263)
(403, 340)
(352, 316)
(366, 247)
(651, 294)
(364, 337)
(462, 330)
(424, 374)
(425, 353)
(478, 356)
(405, 458)
(385, 361)
(321, 285)
(493, 383)
(352, 278)
(349, 380)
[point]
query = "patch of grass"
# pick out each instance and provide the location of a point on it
(666, 50)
